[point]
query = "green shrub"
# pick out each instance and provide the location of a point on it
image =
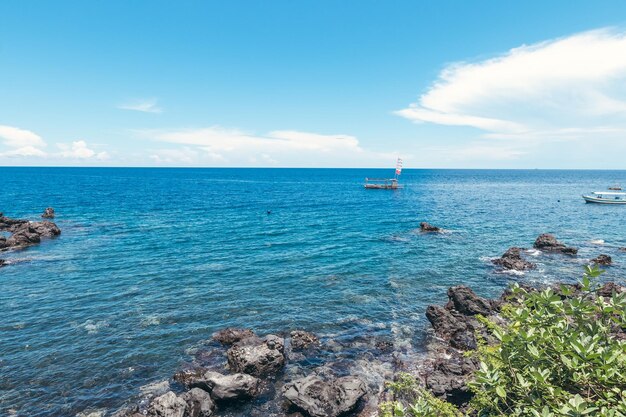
(557, 355)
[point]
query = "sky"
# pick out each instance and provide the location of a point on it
(326, 83)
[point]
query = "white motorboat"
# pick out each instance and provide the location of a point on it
(606, 197)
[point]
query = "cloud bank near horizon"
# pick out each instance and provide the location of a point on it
(569, 88)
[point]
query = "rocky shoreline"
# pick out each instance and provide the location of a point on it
(294, 375)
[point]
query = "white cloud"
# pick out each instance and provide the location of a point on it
(224, 146)
(24, 151)
(80, 150)
(562, 89)
(21, 141)
(149, 105)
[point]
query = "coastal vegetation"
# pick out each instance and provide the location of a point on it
(553, 352)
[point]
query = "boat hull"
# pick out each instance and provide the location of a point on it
(596, 200)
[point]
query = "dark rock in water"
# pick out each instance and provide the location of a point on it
(548, 242)
(384, 345)
(227, 387)
(607, 289)
(512, 259)
(429, 228)
(449, 379)
(3, 262)
(319, 398)
(622, 249)
(257, 356)
(301, 340)
(232, 335)
(167, 405)
(48, 213)
(602, 260)
(465, 301)
(199, 403)
(25, 233)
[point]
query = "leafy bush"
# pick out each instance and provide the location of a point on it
(557, 355)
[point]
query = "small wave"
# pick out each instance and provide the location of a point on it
(512, 272)
(597, 241)
(94, 327)
(153, 320)
(533, 252)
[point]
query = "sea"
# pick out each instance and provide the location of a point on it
(151, 262)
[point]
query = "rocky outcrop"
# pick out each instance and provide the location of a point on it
(455, 323)
(257, 356)
(512, 260)
(465, 301)
(48, 213)
(167, 405)
(227, 387)
(549, 243)
(429, 228)
(25, 233)
(231, 335)
(301, 340)
(321, 398)
(199, 403)
(604, 260)
(448, 380)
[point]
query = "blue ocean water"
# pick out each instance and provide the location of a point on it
(152, 261)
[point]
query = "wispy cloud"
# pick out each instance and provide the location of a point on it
(149, 105)
(223, 146)
(562, 89)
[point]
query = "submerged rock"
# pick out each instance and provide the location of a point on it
(548, 242)
(3, 262)
(257, 356)
(320, 398)
(48, 213)
(512, 260)
(429, 228)
(301, 340)
(232, 335)
(602, 260)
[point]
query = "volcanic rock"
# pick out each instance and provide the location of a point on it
(604, 260)
(232, 335)
(257, 356)
(449, 379)
(466, 302)
(301, 340)
(227, 387)
(199, 403)
(512, 260)
(48, 213)
(547, 242)
(167, 405)
(320, 398)
(429, 228)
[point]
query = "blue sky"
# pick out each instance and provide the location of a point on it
(467, 84)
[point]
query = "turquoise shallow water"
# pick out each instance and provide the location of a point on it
(152, 261)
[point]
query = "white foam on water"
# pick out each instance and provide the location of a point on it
(597, 241)
(153, 320)
(533, 252)
(93, 327)
(99, 412)
(155, 388)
